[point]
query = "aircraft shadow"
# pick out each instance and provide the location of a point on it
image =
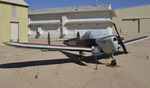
(70, 59)
(35, 63)
(87, 59)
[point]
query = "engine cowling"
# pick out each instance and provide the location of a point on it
(108, 44)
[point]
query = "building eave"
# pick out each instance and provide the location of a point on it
(14, 3)
(65, 10)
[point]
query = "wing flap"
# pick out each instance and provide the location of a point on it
(136, 40)
(46, 46)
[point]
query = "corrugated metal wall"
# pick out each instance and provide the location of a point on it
(129, 26)
(133, 19)
(145, 25)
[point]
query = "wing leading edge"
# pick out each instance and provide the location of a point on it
(136, 40)
(61, 47)
(46, 46)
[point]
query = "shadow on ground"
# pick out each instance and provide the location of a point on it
(70, 59)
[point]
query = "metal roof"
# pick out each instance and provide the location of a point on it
(88, 8)
(17, 2)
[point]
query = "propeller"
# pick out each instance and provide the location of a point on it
(120, 39)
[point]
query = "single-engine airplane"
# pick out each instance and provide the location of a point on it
(89, 42)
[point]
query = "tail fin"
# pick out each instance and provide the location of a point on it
(78, 35)
(48, 39)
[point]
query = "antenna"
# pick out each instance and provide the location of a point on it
(96, 2)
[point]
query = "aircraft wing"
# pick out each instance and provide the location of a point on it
(136, 40)
(46, 46)
(62, 47)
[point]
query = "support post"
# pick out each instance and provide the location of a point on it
(96, 51)
(29, 30)
(63, 28)
(96, 62)
(139, 26)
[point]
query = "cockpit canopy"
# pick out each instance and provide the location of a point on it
(93, 34)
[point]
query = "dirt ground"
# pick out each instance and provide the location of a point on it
(28, 68)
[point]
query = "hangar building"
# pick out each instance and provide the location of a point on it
(13, 21)
(133, 19)
(67, 21)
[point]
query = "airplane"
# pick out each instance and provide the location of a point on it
(94, 41)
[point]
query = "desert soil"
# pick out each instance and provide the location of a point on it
(29, 68)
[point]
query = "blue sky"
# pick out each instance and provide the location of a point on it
(35, 4)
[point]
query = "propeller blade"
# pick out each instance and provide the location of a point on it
(124, 48)
(116, 28)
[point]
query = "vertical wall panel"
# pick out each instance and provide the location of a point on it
(129, 26)
(14, 32)
(145, 25)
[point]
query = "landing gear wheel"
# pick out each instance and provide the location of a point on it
(113, 63)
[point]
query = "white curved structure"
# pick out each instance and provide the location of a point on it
(94, 20)
(67, 21)
(45, 22)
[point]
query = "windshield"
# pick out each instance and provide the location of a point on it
(94, 34)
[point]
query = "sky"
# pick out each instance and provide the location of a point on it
(116, 4)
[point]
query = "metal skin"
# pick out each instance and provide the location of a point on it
(108, 44)
(77, 42)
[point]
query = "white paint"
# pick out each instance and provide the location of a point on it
(55, 47)
(29, 31)
(69, 23)
(45, 22)
(94, 20)
(64, 20)
(40, 30)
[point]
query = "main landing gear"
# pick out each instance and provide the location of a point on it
(113, 62)
(77, 59)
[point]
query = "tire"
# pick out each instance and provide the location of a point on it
(113, 63)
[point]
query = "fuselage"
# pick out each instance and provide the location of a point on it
(77, 42)
(87, 40)
(108, 43)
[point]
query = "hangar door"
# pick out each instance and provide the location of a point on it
(14, 32)
(129, 26)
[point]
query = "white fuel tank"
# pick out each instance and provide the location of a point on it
(108, 44)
